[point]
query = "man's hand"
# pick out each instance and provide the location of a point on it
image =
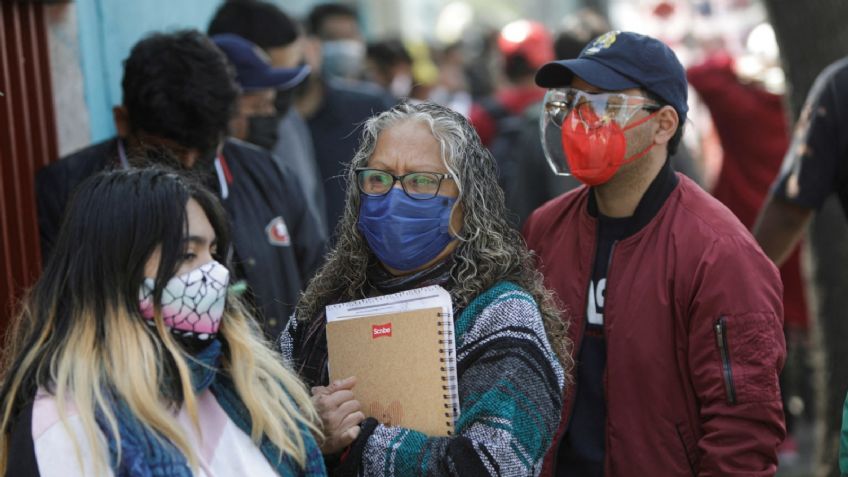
(340, 414)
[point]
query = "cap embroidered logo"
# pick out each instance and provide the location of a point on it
(278, 233)
(602, 42)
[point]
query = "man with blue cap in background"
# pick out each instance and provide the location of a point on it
(675, 313)
(259, 82)
(256, 113)
(286, 133)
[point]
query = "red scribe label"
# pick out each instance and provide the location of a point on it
(379, 331)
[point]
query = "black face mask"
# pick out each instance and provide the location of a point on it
(262, 131)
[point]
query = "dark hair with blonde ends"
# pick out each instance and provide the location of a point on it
(80, 335)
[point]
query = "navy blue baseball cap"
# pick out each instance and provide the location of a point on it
(620, 60)
(253, 66)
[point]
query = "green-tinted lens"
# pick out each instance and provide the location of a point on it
(375, 182)
(422, 183)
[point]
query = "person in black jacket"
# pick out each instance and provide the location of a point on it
(335, 108)
(286, 135)
(179, 94)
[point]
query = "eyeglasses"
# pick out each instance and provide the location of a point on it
(594, 109)
(417, 185)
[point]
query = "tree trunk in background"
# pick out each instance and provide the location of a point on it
(812, 34)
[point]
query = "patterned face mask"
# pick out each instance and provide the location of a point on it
(192, 303)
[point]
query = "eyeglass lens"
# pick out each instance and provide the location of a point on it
(593, 109)
(417, 184)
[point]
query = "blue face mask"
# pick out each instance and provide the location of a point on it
(405, 233)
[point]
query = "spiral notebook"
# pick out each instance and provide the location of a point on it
(400, 347)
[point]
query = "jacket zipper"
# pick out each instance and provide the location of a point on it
(608, 274)
(724, 350)
(609, 266)
(581, 333)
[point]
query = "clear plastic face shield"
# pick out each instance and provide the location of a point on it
(583, 133)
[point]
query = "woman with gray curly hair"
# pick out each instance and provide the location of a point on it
(424, 208)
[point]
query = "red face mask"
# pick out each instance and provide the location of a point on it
(596, 152)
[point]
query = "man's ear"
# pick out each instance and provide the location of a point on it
(667, 122)
(122, 120)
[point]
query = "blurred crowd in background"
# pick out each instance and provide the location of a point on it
(347, 61)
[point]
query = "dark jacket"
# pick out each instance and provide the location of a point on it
(275, 265)
(693, 327)
(336, 128)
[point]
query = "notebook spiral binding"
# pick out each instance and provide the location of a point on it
(448, 369)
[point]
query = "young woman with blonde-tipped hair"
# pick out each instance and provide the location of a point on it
(130, 356)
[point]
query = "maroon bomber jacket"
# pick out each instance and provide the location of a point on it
(693, 327)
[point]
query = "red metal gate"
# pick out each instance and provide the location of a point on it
(27, 142)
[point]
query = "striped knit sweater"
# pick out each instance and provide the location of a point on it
(510, 390)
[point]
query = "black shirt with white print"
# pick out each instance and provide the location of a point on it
(816, 165)
(581, 451)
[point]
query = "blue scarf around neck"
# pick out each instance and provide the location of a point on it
(145, 454)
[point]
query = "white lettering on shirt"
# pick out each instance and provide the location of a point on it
(595, 307)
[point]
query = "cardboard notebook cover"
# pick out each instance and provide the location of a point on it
(399, 360)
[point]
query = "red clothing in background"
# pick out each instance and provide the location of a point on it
(751, 125)
(514, 100)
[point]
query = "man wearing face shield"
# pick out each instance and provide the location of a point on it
(676, 312)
